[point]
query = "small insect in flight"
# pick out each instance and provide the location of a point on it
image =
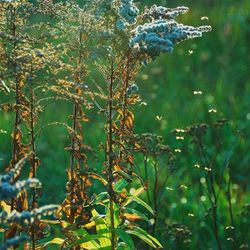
(204, 18)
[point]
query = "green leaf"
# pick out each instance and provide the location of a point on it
(116, 215)
(129, 199)
(122, 183)
(125, 237)
(101, 229)
(124, 175)
(86, 239)
(100, 197)
(142, 203)
(146, 237)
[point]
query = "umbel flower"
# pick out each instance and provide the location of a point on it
(161, 32)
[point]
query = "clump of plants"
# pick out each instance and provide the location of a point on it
(89, 56)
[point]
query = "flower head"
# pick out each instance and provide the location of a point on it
(162, 32)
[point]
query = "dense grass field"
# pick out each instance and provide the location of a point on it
(201, 82)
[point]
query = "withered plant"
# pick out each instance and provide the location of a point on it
(26, 54)
(20, 221)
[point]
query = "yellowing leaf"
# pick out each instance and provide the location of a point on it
(132, 217)
(56, 241)
(5, 207)
(90, 245)
(129, 121)
(98, 177)
(89, 225)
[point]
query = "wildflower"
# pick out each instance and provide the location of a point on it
(13, 242)
(162, 32)
(133, 89)
(160, 12)
(8, 189)
(27, 217)
(128, 13)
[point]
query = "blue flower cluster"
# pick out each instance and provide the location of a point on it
(160, 12)
(27, 217)
(8, 189)
(13, 242)
(128, 13)
(132, 89)
(162, 32)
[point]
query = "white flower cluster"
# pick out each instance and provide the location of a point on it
(27, 217)
(160, 12)
(13, 242)
(162, 32)
(128, 13)
(10, 189)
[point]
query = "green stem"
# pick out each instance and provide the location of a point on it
(33, 163)
(155, 194)
(110, 158)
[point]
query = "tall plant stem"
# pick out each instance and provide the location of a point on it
(229, 197)
(15, 150)
(110, 157)
(215, 225)
(17, 89)
(73, 140)
(213, 199)
(71, 219)
(155, 195)
(214, 202)
(147, 180)
(230, 207)
(33, 163)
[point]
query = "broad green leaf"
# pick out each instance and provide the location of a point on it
(86, 239)
(120, 185)
(142, 203)
(142, 237)
(83, 234)
(126, 238)
(116, 215)
(100, 197)
(137, 192)
(124, 175)
(102, 229)
(146, 237)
